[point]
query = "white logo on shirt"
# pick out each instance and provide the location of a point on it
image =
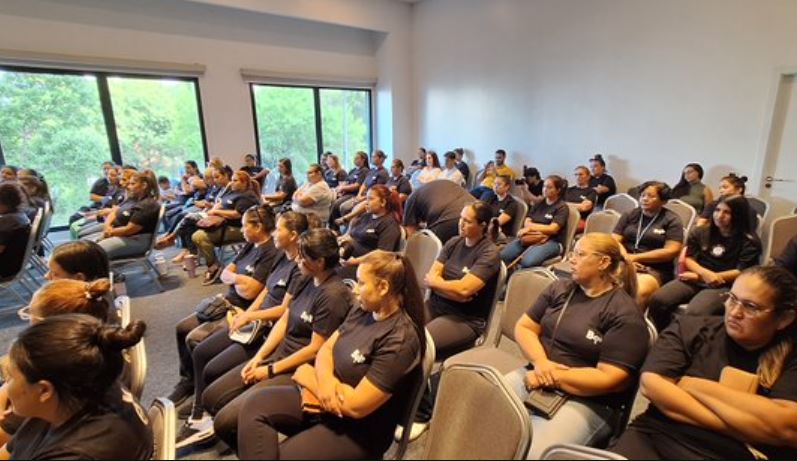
(548, 216)
(357, 356)
(659, 231)
(229, 201)
(718, 251)
(594, 337)
(125, 213)
(250, 268)
(370, 231)
(465, 270)
(308, 318)
(281, 283)
(582, 197)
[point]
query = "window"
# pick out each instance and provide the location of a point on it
(302, 122)
(64, 124)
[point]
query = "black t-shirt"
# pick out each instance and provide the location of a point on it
(116, 428)
(314, 309)
(210, 194)
(720, 253)
(334, 178)
(386, 352)
(535, 189)
(100, 187)
(509, 206)
(252, 171)
(370, 233)
(700, 347)
(287, 184)
(557, 212)
(238, 201)
(752, 217)
(14, 233)
(376, 176)
(608, 329)
(284, 273)
(603, 180)
(666, 226)
(357, 175)
(254, 261)
(464, 169)
(401, 183)
(113, 197)
(788, 259)
(577, 195)
(436, 202)
(142, 212)
(458, 259)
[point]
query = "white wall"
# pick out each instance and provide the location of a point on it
(650, 84)
(226, 36)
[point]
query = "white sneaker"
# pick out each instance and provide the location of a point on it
(416, 431)
(199, 432)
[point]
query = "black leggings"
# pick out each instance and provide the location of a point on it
(267, 411)
(217, 355)
(189, 335)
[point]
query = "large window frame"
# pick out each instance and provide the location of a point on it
(319, 135)
(106, 103)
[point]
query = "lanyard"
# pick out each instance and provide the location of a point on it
(639, 231)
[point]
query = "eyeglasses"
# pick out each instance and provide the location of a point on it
(573, 255)
(750, 309)
(26, 316)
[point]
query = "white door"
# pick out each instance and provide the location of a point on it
(779, 178)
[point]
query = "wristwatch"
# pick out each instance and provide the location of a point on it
(270, 369)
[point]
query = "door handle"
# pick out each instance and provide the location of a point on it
(769, 180)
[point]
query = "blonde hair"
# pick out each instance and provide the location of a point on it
(68, 296)
(621, 272)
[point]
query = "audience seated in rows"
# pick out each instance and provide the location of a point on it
(451, 171)
(376, 175)
(346, 190)
(397, 183)
(430, 171)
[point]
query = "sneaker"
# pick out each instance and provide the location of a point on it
(416, 431)
(181, 392)
(197, 432)
(186, 410)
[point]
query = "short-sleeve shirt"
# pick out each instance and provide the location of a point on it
(14, 233)
(603, 180)
(509, 206)
(545, 213)
(788, 259)
(605, 329)
(718, 253)
(334, 178)
(141, 212)
(357, 175)
(240, 202)
(254, 261)
(665, 226)
(458, 260)
(387, 352)
(700, 347)
(708, 213)
(453, 175)
(370, 233)
(282, 276)
(252, 171)
(100, 187)
(577, 195)
(464, 169)
(376, 175)
(113, 197)
(211, 193)
(401, 183)
(314, 309)
(287, 185)
(321, 194)
(115, 428)
(436, 202)
(505, 170)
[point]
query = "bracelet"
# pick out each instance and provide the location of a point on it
(270, 370)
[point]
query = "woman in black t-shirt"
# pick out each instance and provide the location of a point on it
(715, 256)
(130, 227)
(601, 182)
(544, 230)
(730, 185)
(286, 185)
(582, 195)
(63, 377)
(505, 207)
(587, 338)
(348, 404)
(724, 388)
(334, 174)
(652, 237)
(14, 229)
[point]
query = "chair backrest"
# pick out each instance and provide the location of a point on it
(572, 227)
(163, 422)
(477, 416)
(500, 281)
(422, 250)
(135, 373)
(760, 206)
(30, 244)
(44, 226)
(562, 451)
(522, 291)
(781, 231)
(602, 222)
(350, 283)
(523, 210)
(621, 203)
(122, 304)
(402, 239)
(161, 213)
(416, 394)
(685, 211)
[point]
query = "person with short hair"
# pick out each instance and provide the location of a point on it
(451, 171)
(532, 193)
(462, 165)
(314, 196)
(254, 169)
(14, 229)
(601, 182)
(418, 163)
(165, 190)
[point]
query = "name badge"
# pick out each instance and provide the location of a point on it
(307, 318)
(357, 357)
(659, 231)
(717, 251)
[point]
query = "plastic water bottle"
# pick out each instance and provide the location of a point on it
(190, 265)
(160, 264)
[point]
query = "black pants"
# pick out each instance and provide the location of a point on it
(224, 397)
(642, 442)
(445, 230)
(279, 409)
(217, 355)
(701, 300)
(189, 335)
(335, 212)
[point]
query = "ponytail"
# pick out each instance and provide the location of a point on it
(621, 271)
(67, 296)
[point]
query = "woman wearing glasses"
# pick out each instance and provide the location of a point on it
(314, 196)
(724, 387)
(584, 337)
(715, 256)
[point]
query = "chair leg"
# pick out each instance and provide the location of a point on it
(153, 272)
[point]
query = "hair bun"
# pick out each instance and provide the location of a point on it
(99, 288)
(117, 339)
(743, 179)
(598, 157)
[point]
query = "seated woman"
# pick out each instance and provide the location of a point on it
(63, 378)
(79, 260)
(334, 174)
(376, 175)
(601, 182)
(462, 284)
(543, 232)
(505, 208)
(397, 183)
(8, 173)
(378, 229)
(286, 185)
(347, 189)
(359, 401)
(113, 194)
(14, 229)
(715, 256)
(451, 171)
(691, 189)
(319, 303)
(582, 195)
(246, 276)
(729, 186)
(428, 173)
(314, 196)
(652, 237)
(129, 229)
(36, 190)
(724, 387)
(486, 179)
(93, 221)
(596, 370)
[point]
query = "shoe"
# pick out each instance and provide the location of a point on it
(416, 431)
(211, 275)
(180, 257)
(164, 242)
(186, 410)
(181, 392)
(198, 432)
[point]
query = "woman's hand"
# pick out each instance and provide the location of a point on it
(712, 279)
(240, 321)
(328, 396)
(304, 376)
(545, 373)
(431, 279)
(689, 277)
(249, 368)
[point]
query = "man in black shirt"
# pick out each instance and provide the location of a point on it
(461, 165)
(438, 205)
(256, 171)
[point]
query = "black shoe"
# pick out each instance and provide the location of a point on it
(186, 410)
(181, 392)
(199, 431)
